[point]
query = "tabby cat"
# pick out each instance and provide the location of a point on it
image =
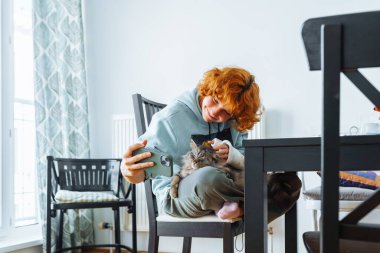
(201, 156)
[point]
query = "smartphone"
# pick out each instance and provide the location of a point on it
(163, 163)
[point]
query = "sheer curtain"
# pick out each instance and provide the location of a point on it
(62, 126)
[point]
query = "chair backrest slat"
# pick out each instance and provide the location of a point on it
(143, 118)
(148, 112)
(156, 109)
(144, 110)
(139, 114)
(89, 174)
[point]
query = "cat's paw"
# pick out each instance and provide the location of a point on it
(175, 180)
(173, 192)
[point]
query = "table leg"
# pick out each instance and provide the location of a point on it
(291, 230)
(256, 215)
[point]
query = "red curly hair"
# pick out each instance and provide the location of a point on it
(236, 89)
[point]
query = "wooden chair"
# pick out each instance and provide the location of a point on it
(84, 184)
(209, 226)
(349, 199)
(344, 44)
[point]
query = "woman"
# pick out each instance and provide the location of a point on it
(224, 105)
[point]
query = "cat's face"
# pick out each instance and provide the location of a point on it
(202, 156)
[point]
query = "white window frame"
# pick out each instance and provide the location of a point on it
(11, 238)
(6, 117)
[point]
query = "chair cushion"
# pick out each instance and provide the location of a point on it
(345, 193)
(64, 196)
(207, 218)
(362, 179)
(311, 241)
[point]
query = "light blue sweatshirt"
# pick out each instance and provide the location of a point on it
(171, 128)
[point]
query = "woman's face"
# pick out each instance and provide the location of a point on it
(213, 110)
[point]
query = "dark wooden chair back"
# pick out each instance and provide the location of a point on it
(342, 44)
(357, 51)
(144, 110)
(357, 46)
(89, 174)
(74, 174)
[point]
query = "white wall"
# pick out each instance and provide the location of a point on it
(160, 48)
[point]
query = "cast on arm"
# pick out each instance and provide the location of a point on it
(235, 158)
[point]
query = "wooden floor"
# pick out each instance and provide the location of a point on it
(108, 251)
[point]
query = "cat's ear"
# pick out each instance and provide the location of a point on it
(206, 144)
(193, 145)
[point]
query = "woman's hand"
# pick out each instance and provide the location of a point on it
(130, 169)
(222, 151)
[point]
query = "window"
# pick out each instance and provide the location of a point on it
(24, 129)
(18, 201)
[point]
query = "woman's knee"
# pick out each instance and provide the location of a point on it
(210, 176)
(202, 180)
(211, 181)
(283, 192)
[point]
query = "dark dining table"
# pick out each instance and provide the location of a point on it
(292, 155)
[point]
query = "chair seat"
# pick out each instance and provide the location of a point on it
(85, 205)
(350, 197)
(345, 193)
(207, 218)
(77, 200)
(64, 196)
(312, 240)
(344, 205)
(209, 226)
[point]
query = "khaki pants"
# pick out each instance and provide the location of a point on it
(206, 190)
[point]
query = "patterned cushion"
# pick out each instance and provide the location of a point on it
(362, 179)
(64, 196)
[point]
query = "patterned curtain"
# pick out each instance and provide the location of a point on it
(62, 127)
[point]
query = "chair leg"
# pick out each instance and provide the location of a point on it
(134, 220)
(186, 248)
(59, 242)
(153, 242)
(117, 228)
(228, 239)
(315, 219)
(48, 231)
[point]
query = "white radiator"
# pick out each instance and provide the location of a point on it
(258, 131)
(123, 135)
